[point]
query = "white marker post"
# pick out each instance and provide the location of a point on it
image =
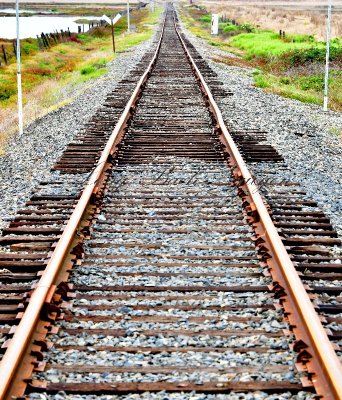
(128, 20)
(214, 24)
(20, 97)
(112, 22)
(326, 80)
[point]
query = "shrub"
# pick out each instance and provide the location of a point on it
(261, 81)
(247, 27)
(312, 83)
(285, 81)
(74, 39)
(6, 92)
(317, 53)
(88, 70)
(91, 69)
(205, 18)
(27, 47)
(304, 38)
(230, 28)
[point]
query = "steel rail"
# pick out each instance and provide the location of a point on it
(331, 382)
(25, 329)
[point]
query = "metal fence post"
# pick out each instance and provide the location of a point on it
(326, 79)
(20, 99)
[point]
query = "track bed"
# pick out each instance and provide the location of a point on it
(169, 295)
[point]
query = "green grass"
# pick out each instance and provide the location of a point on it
(308, 89)
(229, 27)
(205, 18)
(266, 44)
(335, 131)
(261, 80)
(202, 30)
(316, 52)
(152, 17)
(65, 65)
(85, 56)
(93, 70)
(281, 65)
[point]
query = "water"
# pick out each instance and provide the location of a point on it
(12, 11)
(35, 25)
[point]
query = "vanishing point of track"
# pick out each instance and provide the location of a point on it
(149, 262)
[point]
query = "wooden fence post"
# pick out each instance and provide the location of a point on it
(15, 48)
(58, 36)
(40, 43)
(5, 55)
(46, 44)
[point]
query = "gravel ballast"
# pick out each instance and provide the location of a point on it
(301, 133)
(91, 322)
(27, 159)
(96, 315)
(179, 396)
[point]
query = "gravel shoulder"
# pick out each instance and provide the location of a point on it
(301, 133)
(27, 159)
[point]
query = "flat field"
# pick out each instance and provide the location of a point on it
(52, 78)
(62, 7)
(8, 3)
(293, 17)
(291, 65)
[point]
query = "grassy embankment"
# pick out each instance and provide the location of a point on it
(51, 78)
(291, 67)
(297, 18)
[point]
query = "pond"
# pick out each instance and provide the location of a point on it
(12, 11)
(35, 25)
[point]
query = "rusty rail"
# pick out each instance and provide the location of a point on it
(25, 330)
(324, 364)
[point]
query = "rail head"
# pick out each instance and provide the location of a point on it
(326, 365)
(24, 331)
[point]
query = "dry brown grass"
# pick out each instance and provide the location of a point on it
(55, 77)
(41, 102)
(307, 19)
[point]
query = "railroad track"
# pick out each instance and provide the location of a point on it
(148, 263)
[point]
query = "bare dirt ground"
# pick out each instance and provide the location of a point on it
(294, 17)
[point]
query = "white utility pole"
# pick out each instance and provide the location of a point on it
(20, 97)
(128, 22)
(326, 80)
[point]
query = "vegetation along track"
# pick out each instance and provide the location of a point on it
(149, 262)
